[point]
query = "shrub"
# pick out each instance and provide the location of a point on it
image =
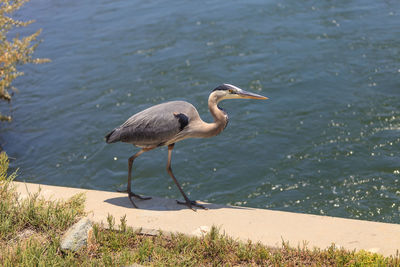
(17, 51)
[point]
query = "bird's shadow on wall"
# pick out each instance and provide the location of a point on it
(161, 204)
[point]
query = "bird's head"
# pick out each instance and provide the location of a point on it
(229, 91)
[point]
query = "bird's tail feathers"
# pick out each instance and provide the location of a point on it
(112, 136)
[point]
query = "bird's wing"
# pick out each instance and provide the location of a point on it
(156, 125)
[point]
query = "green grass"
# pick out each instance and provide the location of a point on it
(31, 229)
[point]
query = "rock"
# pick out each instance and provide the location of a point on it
(77, 235)
(201, 231)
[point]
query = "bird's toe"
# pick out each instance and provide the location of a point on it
(131, 194)
(133, 203)
(191, 204)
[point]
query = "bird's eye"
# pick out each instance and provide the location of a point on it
(231, 91)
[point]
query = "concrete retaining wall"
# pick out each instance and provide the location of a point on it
(267, 226)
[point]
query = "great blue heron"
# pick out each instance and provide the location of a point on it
(170, 122)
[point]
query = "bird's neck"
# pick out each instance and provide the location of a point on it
(202, 129)
(220, 117)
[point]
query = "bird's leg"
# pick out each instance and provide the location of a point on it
(188, 202)
(129, 191)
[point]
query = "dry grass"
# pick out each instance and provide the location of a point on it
(31, 228)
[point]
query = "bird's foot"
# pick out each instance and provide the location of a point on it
(190, 204)
(131, 194)
(133, 203)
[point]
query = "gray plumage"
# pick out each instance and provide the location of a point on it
(170, 122)
(155, 126)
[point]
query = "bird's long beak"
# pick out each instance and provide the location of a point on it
(245, 94)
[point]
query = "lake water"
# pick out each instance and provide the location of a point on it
(326, 142)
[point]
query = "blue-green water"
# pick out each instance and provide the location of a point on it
(326, 142)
